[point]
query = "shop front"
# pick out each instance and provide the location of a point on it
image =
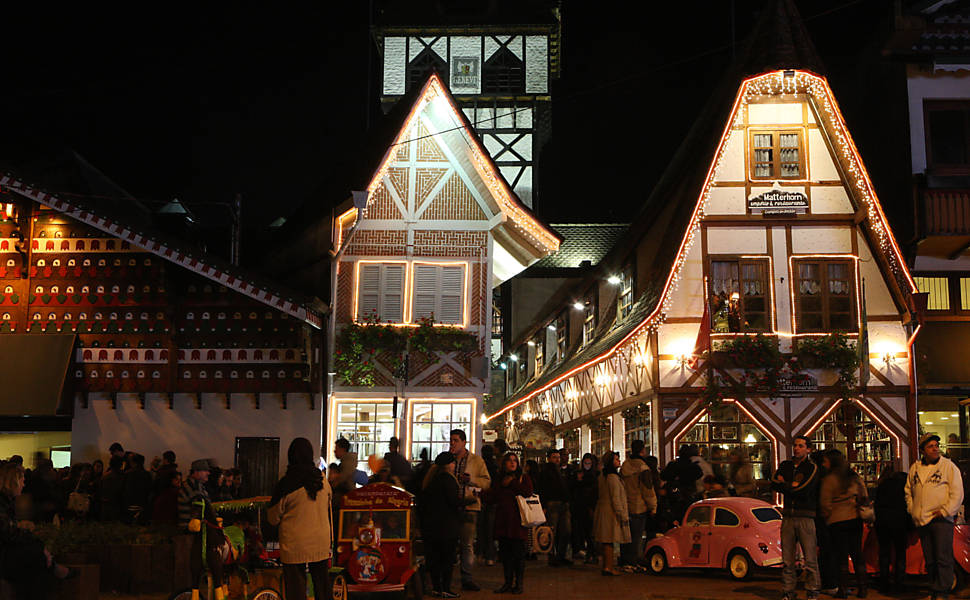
(857, 433)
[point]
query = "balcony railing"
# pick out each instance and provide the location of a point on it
(946, 212)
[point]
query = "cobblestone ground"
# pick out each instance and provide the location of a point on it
(584, 581)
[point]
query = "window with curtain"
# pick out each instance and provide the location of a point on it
(380, 291)
(776, 154)
(739, 296)
(624, 302)
(825, 296)
(438, 293)
(938, 289)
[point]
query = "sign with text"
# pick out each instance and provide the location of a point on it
(778, 202)
(464, 73)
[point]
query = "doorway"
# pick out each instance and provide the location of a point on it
(258, 459)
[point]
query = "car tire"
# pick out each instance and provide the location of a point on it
(739, 565)
(657, 562)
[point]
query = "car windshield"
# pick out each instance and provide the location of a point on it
(766, 514)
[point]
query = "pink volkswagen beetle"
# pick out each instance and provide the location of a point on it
(737, 534)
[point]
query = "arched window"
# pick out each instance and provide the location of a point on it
(8, 289)
(102, 263)
(205, 316)
(129, 316)
(56, 262)
(133, 355)
(503, 73)
(41, 262)
(98, 316)
(94, 374)
(11, 262)
(148, 262)
(55, 290)
(69, 290)
(203, 375)
(109, 374)
(140, 374)
(281, 374)
(71, 262)
(67, 316)
(146, 288)
(159, 315)
(210, 355)
(265, 374)
(79, 245)
(218, 374)
(100, 289)
(143, 316)
(221, 316)
(156, 375)
(233, 374)
(113, 316)
(190, 316)
(124, 374)
(131, 289)
(85, 289)
(250, 375)
(86, 263)
(132, 262)
(36, 316)
(187, 374)
(119, 355)
(423, 65)
(253, 316)
(83, 316)
(58, 234)
(149, 355)
(51, 316)
(115, 289)
(39, 290)
(6, 316)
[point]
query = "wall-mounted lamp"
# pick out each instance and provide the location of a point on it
(551, 327)
(531, 343)
(889, 358)
(514, 357)
(484, 419)
(614, 280)
(503, 366)
(579, 305)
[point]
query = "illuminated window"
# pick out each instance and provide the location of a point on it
(56, 262)
(71, 262)
(41, 262)
(438, 293)
(69, 289)
(55, 289)
(432, 424)
(636, 424)
(624, 298)
(368, 426)
(8, 289)
(739, 296)
(776, 154)
(965, 293)
(540, 345)
(601, 438)
(496, 321)
(380, 291)
(725, 428)
(562, 337)
(947, 136)
(939, 292)
(824, 296)
(865, 444)
(589, 322)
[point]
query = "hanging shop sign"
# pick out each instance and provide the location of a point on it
(777, 202)
(797, 385)
(464, 73)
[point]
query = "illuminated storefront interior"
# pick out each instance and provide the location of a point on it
(724, 428)
(851, 431)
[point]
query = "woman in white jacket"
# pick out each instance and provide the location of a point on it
(934, 493)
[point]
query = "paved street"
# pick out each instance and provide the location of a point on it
(546, 583)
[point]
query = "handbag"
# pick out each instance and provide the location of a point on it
(77, 502)
(530, 509)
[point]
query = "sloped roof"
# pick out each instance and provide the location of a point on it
(670, 213)
(101, 217)
(582, 242)
(933, 31)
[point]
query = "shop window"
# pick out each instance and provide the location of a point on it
(946, 424)
(739, 296)
(939, 291)
(777, 154)
(725, 428)
(380, 291)
(589, 321)
(601, 439)
(503, 73)
(636, 424)
(437, 292)
(368, 426)
(947, 136)
(865, 444)
(824, 296)
(432, 422)
(624, 298)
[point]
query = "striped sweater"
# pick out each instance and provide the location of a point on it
(191, 491)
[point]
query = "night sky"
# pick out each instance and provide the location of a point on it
(205, 103)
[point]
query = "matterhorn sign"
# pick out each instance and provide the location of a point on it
(778, 202)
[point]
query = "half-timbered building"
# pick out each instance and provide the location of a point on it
(434, 229)
(765, 224)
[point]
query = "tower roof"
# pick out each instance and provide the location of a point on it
(780, 41)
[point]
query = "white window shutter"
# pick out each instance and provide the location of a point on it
(368, 290)
(425, 292)
(452, 285)
(392, 308)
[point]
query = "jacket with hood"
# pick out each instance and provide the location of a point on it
(933, 487)
(638, 482)
(301, 506)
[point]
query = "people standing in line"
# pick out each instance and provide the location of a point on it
(509, 532)
(611, 523)
(348, 466)
(400, 467)
(797, 480)
(828, 567)
(116, 449)
(165, 502)
(440, 497)
(554, 493)
(840, 496)
(892, 527)
(195, 512)
(473, 477)
(705, 466)
(681, 477)
(301, 506)
(583, 490)
(741, 474)
(654, 522)
(111, 490)
(486, 523)
(641, 502)
(934, 494)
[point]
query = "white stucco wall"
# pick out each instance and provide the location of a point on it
(821, 167)
(775, 114)
(726, 201)
(878, 298)
(192, 433)
(828, 199)
(536, 64)
(732, 160)
(736, 240)
(816, 240)
(395, 64)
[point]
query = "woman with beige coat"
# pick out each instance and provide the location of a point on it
(301, 507)
(839, 499)
(611, 520)
(741, 474)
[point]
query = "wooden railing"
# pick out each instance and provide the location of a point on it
(946, 212)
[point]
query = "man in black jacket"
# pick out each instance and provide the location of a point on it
(798, 481)
(554, 494)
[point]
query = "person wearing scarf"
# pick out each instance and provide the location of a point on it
(301, 507)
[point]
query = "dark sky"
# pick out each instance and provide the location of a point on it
(201, 104)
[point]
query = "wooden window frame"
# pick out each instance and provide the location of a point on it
(439, 294)
(562, 336)
(826, 317)
(767, 282)
(540, 355)
(382, 292)
(955, 290)
(952, 308)
(589, 322)
(777, 132)
(931, 105)
(624, 297)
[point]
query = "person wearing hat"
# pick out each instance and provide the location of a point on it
(441, 522)
(195, 512)
(934, 493)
